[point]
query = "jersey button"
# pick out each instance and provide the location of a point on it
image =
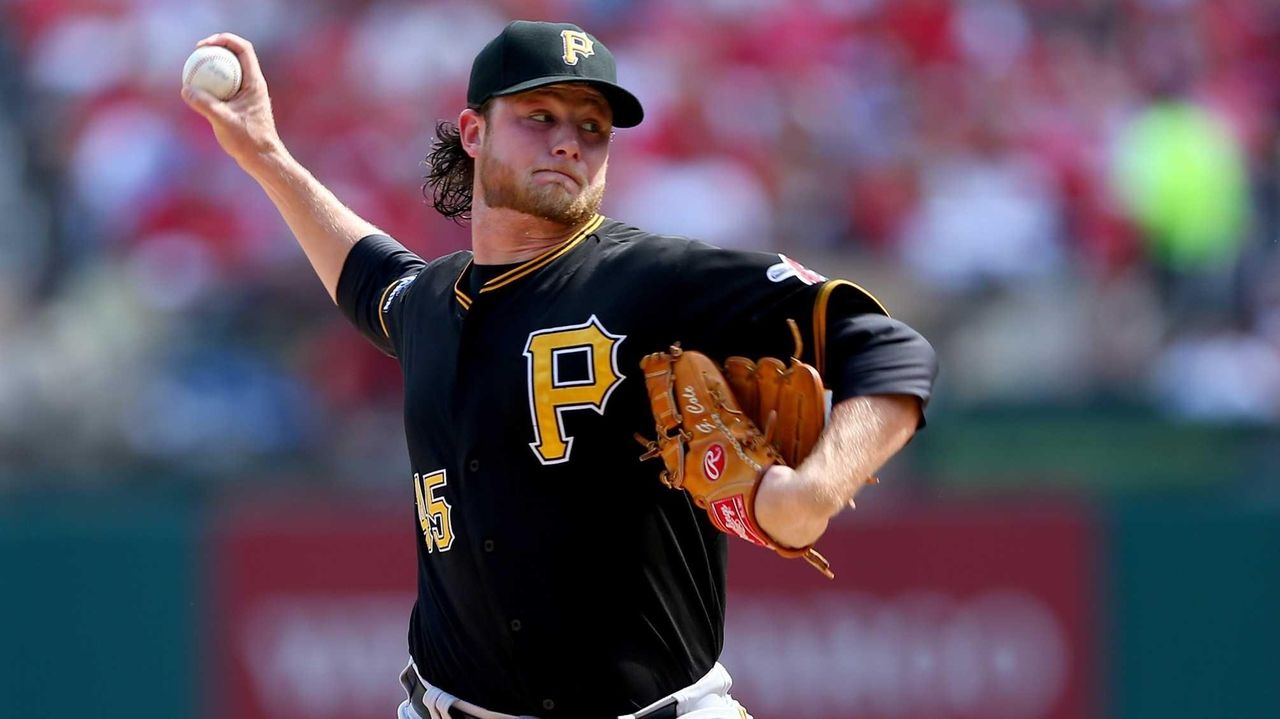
(474, 465)
(488, 545)
(515, 625)
(548, 704)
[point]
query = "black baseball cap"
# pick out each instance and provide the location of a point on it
(528, 54)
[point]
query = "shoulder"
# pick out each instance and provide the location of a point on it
(682, 258)
(623, 236)
(457, 260)
(619, 234)
(445, 267)
(619, 240)
(435, 277)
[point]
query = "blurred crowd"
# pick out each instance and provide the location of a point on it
(1075, 199)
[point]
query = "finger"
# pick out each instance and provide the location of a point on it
(190, 95)
(224, 39)
(204, 103)
(243, 50)
(777, 473)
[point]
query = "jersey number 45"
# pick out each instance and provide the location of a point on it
(433, 511)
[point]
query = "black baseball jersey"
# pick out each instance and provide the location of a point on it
(557, 576)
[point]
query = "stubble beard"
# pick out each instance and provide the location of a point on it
(549, 201)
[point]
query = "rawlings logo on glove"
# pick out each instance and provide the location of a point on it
(709, 436)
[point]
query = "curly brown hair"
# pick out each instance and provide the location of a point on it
(451, 172)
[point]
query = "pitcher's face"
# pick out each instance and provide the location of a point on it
(545, 152)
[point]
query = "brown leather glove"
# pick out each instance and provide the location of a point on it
(788, 401)
(714, 450)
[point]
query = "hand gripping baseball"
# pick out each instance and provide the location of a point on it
(243, 124)
(712, 449)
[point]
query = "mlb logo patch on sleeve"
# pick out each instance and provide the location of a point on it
(790, 268)
(394, 291)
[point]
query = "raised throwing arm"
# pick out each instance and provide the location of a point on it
(245, 128)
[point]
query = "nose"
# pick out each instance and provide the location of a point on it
(564, 143)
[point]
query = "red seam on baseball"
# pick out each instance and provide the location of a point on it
(201, 63)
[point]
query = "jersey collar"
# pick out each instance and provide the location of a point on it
(526, 268)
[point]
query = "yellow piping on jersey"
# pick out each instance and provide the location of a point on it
(457, 292)
(820, 319)
(529, 267)
(544, 259)
(382, 316)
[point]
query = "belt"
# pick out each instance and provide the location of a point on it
(413, 687)
(416, 691)
(666, 710)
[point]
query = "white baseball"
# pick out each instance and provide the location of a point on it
(215, 70)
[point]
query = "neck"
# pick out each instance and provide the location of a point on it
(500, 236)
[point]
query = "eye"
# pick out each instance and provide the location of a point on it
(592, 126)
(540, 116)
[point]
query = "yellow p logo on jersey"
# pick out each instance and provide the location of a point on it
(576, 44)
(551, 394)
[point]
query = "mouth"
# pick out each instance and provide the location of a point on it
(559, 173)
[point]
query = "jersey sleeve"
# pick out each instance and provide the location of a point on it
(874, 355)
(738, 303)
(373, 285)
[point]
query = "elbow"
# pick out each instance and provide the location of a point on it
(874, 355)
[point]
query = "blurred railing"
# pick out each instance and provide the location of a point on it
(1118, 450)
(292, 605)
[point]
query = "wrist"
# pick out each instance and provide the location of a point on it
(816, 493)
(787, 509)
(267, 159)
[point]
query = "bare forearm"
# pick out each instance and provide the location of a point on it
(245, 128)
(324, 227)
(864, 432)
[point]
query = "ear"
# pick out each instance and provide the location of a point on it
(471, 131)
